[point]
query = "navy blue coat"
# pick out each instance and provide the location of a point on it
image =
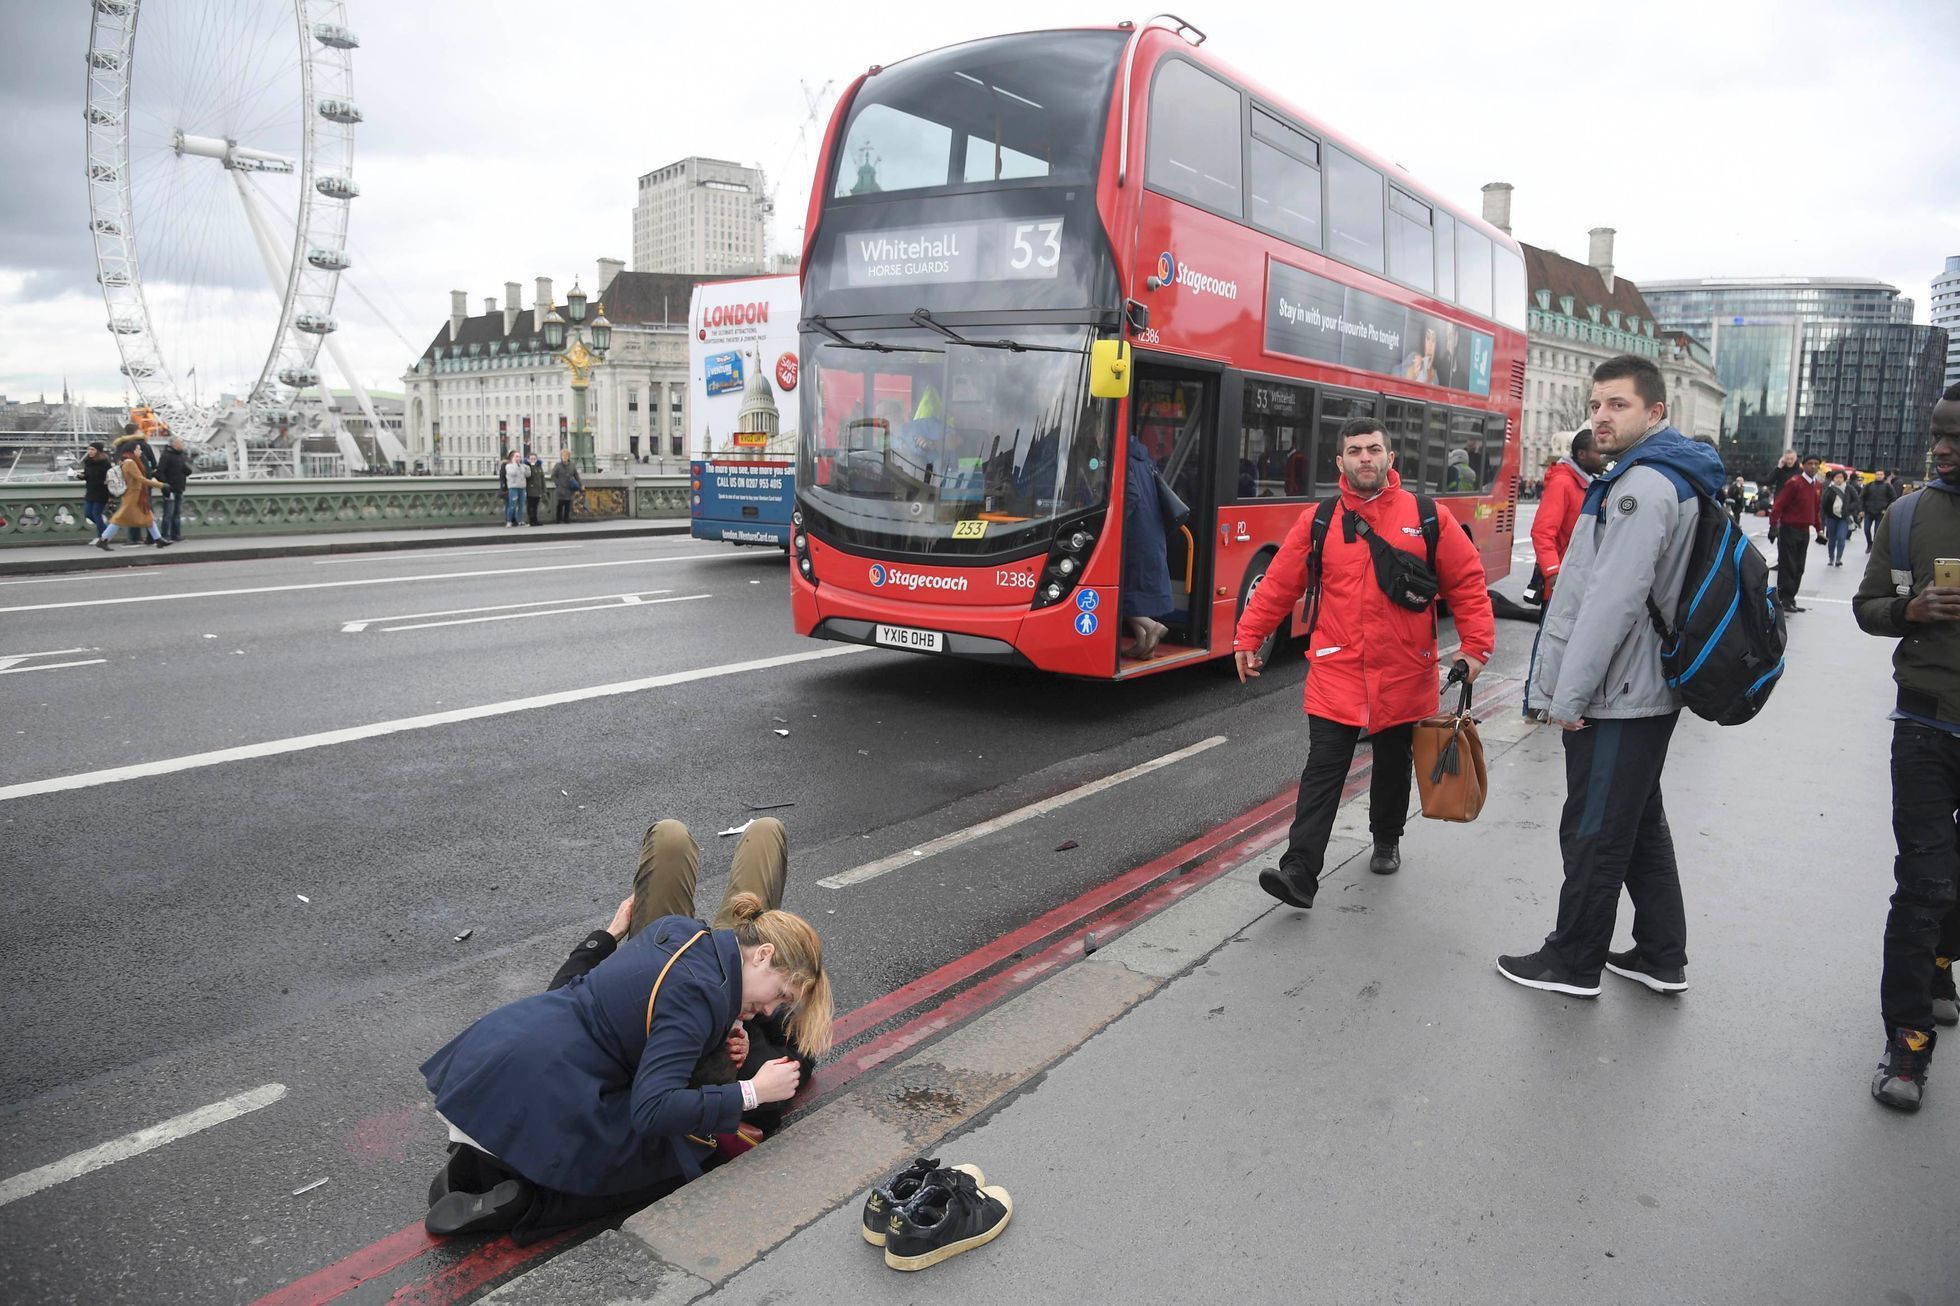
(1146, 563)
(568, 1089)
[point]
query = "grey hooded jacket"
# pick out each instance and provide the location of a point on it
(1599, 655)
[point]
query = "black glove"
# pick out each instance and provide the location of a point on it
(1772, 535)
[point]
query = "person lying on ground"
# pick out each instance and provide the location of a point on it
(582, 1101)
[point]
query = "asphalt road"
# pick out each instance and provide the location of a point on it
(289, 915)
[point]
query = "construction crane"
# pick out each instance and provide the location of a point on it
(816, 101)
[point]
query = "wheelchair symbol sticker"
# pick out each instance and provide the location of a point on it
(1088, 600)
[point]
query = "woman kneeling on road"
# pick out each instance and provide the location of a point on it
(590, 1098)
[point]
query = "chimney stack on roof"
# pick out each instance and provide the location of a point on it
(608, 269)
(489, 305)
(459, 312)
(513, 304)
(542, 307)
(1600, 255)
(1497, 205)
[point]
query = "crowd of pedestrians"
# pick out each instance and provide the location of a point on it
(130, 474)
(525, 484)
(1615, 535)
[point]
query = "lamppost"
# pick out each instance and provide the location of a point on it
(581, 358)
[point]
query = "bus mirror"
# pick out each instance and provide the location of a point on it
(1109, 369)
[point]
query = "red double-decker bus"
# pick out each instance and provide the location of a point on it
(989, 220)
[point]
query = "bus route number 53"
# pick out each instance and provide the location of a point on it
(1037, 249)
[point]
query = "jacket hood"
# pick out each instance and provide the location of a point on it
(1686, 462)
(1353, 497)
(1573, 468)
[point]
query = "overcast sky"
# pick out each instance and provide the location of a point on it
(503, 137)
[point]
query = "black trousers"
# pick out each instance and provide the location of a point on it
(531, 505)
(1792, 551)
(1924, 921)
(563, 513)
(1330, 751)
(1613, 832)
(549, 1211)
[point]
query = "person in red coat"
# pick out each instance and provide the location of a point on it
(1793, 516)
(1372, 662)
(1551, 529)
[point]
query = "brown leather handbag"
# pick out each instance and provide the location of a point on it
(1449, 760)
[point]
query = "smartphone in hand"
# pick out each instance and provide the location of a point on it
(1946, 573)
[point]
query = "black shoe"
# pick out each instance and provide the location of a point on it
(164, 544)
(459, 1174)
(1901, 1078)
(105, 546)
(1290, 884)
(492, 1212)
(1791, 607)
(1661, 979)
(1387, 859)
(949, 1215)
(1542, 970)
(1946, 1004)
(901, 1188)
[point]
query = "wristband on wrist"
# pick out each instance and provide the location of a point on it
(748, 1095)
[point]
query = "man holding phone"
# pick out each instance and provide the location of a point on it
(1919, 605)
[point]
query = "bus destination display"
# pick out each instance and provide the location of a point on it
(1024, 249)
(1309, 316)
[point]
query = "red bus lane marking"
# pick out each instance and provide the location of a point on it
(1155, 885)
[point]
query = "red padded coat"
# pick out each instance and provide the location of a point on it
(1558, 513)
(1373, 661)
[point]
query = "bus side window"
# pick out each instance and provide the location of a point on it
(1404, 422)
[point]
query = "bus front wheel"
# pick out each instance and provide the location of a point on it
(1253, 575)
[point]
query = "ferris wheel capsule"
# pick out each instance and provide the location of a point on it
(332, 260)
(340, 38)
(315, 324)
(299, 377)
(334, 186)
(343, 111)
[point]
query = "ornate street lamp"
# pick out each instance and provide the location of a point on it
(581, 357)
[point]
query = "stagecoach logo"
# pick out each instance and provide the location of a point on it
(1170, 271)
(882, 575)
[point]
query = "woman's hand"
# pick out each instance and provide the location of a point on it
(622, 919)
(778, 1080)
(738, 1045)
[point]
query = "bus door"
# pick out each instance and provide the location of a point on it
(1174, 415)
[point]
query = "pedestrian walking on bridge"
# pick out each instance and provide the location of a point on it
(1919, 605)
(1836, 507)
(564, 486)
(95, 487)
(1599, 672)
(1879, 495)
(174, 470)
(1551, 528)
(1793, 518)
(134, 512)
(1372, 664)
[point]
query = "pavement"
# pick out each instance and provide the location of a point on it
(1237, 1100)
(76, 553)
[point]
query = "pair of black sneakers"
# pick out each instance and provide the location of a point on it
(927, 1213)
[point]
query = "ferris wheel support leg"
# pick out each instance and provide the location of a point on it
(384, 439)
(277, 272)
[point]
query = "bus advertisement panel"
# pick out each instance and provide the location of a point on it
(743, 372)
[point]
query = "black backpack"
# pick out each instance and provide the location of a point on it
(1726, 654)
(1323, 518)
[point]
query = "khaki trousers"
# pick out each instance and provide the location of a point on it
(670, 861)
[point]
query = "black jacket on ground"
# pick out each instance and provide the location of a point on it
(174, 469)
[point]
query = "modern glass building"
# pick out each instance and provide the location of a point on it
(1825, 365)
(1946, 313)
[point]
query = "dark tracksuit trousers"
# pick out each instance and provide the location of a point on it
(1792, 551)
(1614, 832)
(1330, 751)
(1924, 921)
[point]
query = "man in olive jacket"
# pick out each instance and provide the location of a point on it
(1922, 931)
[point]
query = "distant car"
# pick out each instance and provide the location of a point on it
(1750, 490)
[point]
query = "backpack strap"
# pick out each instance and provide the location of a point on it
(1898, 521)
(1431, 528)
(1323, 517)
(698, 936)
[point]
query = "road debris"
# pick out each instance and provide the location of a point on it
(737, 829)
(464, 935)
(302, 897)
(1064, 847)
(769, 807)
(783, 733)
(309, 1187)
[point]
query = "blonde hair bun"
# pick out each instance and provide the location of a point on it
(745, 907)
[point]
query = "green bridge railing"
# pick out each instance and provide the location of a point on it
(44, 512)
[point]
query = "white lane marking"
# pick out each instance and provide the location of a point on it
(351, 734)
(624, 601)
(358, 624)
(9, 659)
(886, 865)
(100, 574)
(486, 550)
(29, 1182)
(372, 580)
(50, 666)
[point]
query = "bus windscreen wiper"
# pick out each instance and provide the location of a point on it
(842, 341)
(925, 319)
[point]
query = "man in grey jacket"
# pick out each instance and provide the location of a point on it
(1599, 676)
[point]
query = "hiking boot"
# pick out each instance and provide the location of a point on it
(1388, 857)
(1290, 883)
(1661, 979)
(1542, 970)
(491, 1212)
(901, 1188)
(1946, 1009)
(949, 1215)
(1901, 1078)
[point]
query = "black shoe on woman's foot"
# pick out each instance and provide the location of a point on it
(491, 1212)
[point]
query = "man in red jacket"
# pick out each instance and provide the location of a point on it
(1373, 662)
(1551, 529)
(1793, 516)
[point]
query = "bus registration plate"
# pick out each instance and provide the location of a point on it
(928, 641)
